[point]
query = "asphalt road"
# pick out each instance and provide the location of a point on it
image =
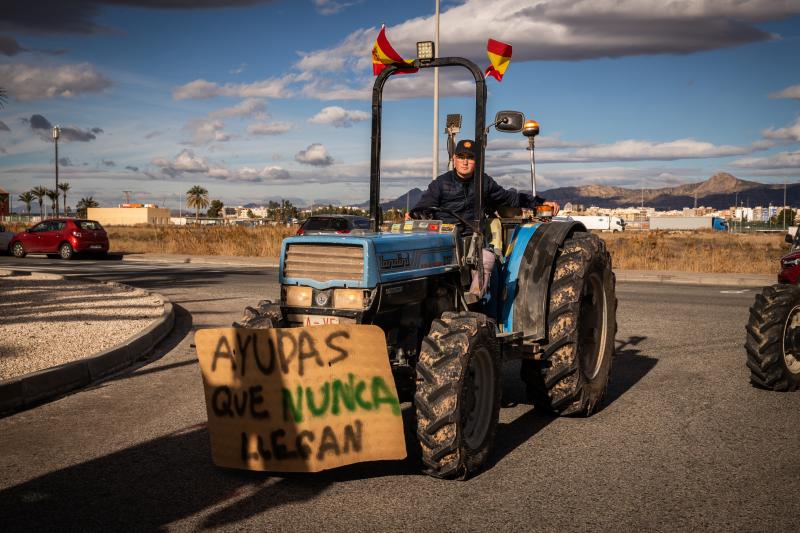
(683, 443)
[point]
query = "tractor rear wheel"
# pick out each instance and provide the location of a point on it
(458, 394)
(773, 339)
(581, 325)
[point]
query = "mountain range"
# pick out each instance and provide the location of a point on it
(720, 191)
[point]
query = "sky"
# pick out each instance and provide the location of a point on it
(260, 100)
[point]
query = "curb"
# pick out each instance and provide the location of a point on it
(202, 260)
(696, 278)
(26, 391)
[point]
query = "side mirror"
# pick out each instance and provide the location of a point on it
(509, 121)
(788, 238)
(27, 230)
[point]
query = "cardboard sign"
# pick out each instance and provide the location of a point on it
(299, 399)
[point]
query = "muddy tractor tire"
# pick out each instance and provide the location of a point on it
(267, 315)
(457, 396)
(573, 375)
(773, 339)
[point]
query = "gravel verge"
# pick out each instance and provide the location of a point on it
(46, 320)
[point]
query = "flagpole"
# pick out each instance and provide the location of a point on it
(436, 99)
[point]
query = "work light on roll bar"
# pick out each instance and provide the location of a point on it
(425, 51)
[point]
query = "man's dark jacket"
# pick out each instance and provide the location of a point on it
(450, 192)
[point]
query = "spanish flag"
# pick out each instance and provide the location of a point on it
(383, 54)
(500, 55)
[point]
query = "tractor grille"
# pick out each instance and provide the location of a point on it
(324, 262)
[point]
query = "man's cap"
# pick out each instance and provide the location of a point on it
(466, 146)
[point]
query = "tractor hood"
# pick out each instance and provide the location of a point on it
(364, 261)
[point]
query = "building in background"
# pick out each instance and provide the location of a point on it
(129, 216)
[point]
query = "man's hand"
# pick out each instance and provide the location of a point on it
(554, 205)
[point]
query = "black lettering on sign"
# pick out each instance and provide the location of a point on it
(243, 349)
(285, 358)
(342, 352)
(232, 403)
(302, 448)
(265, 369)
(306, 350)
(255, 400)
(223, 349)
(328, 443)
(353, 438)
(221, 402)
(279, 448)
(263, 452)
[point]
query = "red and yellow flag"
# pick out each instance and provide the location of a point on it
(499, 55)
(383, 54)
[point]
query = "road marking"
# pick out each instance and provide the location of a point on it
(741, 291)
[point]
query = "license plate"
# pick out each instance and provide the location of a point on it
(95, 246)
(319, 320)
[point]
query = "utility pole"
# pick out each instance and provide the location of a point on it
(436, 98)
(56, 135)
(784, 204)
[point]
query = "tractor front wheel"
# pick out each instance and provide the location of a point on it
(458, 394)
(773, 339)
(581, 325)
(267, 315)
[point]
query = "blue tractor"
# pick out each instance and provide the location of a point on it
(551, 303)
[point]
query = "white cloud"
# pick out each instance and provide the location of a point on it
(203, 89)
(792, 92)
(246, 108)
(186, 161)
(204, 131)
(315, 155)
(29, 82)
(269, 128)
(339, 117)
(634, 150)
(783, 160)
(789, 133)
(331, 7)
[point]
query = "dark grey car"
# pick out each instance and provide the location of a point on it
(341, 224)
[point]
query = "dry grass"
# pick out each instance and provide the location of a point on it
(264, 241)
(755, 253)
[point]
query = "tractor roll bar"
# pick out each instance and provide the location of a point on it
(375, 214)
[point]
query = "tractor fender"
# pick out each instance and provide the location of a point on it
(528, 310)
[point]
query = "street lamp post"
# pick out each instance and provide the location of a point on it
(56, 135)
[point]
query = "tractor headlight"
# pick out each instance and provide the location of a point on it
(348, 298)
(297, 296)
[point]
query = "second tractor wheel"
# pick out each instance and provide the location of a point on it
(773, 339)
(458, 394)
(581, 325)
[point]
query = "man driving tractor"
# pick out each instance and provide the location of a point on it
(454, 191)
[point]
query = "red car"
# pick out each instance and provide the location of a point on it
(790, 263)
(61, 236)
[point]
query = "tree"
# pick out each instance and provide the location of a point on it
(53, 195)
(789, 214)
(27, 199)
(64, 188)
(197, 197)
(39, 193)
(3, 97)
(215, 210)
(84, 204)
(250, 214)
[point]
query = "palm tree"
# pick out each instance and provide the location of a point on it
(3, 97)
(39, 193)
(197, 197)
(53, 195)
(64, 188)
(84, 204)
(27, 199)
